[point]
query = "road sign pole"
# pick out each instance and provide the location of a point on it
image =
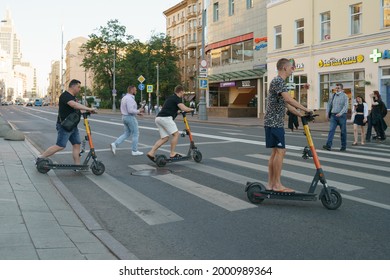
(202, 99)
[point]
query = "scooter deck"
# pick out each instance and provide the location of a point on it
(285, 195)
(177, 158)
(67, 166)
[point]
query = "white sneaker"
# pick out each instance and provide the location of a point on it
(113, 148)
(137, 153)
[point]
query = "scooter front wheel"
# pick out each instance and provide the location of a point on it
(161, 160)
(42, 165)
(253, 191)
(197, 156)
(98, 168)
(334, 202)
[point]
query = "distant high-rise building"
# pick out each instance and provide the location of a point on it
(18, 78)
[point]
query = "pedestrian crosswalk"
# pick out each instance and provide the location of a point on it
(235, 171)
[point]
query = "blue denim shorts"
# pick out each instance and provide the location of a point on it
(274, 137)
(64, 136)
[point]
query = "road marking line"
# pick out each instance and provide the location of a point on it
(288, 174)
(147, 209)
(215, 197)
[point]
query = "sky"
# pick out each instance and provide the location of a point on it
(39, 23)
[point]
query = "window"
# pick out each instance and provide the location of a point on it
(300, 32)
(231, 7)
(249, 4)
(386, 13)
(356, 18)
(248, 50)
(237, 52)
(226, 55)
(216, 12)
(325, 26)
(278, 37)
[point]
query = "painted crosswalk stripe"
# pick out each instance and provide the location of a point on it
(215, 197)
(346, 162)
(358, 174)
(148, 210)
(220, 173)
(289, 174)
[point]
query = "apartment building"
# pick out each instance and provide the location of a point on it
(344, 41)
(184, 26)
(73, 61)
(236, 49)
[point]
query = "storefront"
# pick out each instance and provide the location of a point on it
(233, 98)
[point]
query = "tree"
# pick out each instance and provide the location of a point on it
(99, 53)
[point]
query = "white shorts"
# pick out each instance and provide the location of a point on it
(166, 126)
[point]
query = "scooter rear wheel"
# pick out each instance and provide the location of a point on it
(42, 165)
(98, 168)
(253, 189)
(161, 160)
(335, 200)
(197, 156)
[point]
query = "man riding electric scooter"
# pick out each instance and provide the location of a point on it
(66, 106)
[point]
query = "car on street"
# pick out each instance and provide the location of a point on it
(29, 103)
(38, 102)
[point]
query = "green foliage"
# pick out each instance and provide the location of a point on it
(132, 59)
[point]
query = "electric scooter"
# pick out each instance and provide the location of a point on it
(45, 164)
(329, 196)
(193, 152)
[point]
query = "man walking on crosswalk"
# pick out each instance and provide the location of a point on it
(278, 99)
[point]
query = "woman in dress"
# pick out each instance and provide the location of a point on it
(360, 110)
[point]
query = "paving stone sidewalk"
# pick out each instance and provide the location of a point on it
(36, 222)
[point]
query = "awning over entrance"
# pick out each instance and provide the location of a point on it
(236, 75)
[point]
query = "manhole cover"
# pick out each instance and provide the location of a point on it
(151, 172)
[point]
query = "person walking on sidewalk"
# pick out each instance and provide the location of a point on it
(166, 124)
(129, 112)
(336, 112)
(278, 99)
(360, 110)
(378, 112)
(67, 104)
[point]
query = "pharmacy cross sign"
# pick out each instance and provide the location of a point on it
(375, 55)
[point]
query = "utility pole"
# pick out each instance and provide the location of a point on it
(157, 88)
(113, 84)
(62, 60)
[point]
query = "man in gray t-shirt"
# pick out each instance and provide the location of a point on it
(278, 99)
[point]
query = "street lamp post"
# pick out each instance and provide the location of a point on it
(202, 99)
(113, 83)
(157, 87)
(62, 59)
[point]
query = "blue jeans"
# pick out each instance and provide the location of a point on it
(334, 122)
(131, 128)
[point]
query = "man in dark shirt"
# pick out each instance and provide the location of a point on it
(165, 122)
(67, 104)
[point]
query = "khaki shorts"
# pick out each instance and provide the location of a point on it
(166, 126)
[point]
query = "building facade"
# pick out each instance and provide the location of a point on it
(73, 61)
(343, 41)
(54, 88)
(236, 49)
(184, 26)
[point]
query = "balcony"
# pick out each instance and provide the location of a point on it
(191, 15)
(191, 45)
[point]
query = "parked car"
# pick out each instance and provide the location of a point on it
(4, 103)
(30, 103)
(45, 104)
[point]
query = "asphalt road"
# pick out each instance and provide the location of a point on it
(200, 210)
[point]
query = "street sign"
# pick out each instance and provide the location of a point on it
(149, 88)
(203, 83)
(203, 63)
(141, 79)
(141, 86)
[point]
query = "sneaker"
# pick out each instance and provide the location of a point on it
(326, 147)
(343, 149)
(137, 153)
(113, 148)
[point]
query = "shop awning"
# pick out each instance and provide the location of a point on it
(237, 75)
